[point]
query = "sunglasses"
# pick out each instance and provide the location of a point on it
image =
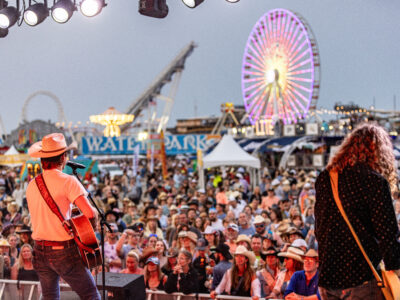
(259, 226)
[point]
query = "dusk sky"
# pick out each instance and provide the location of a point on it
(109, 60)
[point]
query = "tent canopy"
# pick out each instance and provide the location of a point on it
(12, 158)
(229, 153)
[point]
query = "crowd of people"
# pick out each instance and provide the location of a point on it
(232, 237)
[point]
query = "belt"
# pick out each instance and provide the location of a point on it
(67, 243)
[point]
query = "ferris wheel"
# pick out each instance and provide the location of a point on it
(280, 69)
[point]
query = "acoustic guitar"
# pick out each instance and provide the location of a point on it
(86, 240)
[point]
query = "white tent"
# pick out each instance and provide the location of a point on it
(12, 158)
(229, 153)
(11, 151)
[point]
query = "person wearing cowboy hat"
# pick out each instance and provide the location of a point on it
(260, 225)
(293, 262)
(187, 240)
(223, 257)
(269, 273)
(6, 261)
(13, 216)
(114, 216)
(152, 227)
(304, 284)
(47, 230)
(244, 240)
(172, 255)
(240, 280)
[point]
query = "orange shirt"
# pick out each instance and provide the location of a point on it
(64, 189)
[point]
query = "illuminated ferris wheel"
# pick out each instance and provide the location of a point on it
(280, 70)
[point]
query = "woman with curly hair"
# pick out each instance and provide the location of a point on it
(364, 166)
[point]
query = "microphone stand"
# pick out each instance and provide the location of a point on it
(103, 223)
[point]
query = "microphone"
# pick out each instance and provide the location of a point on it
(75, 165)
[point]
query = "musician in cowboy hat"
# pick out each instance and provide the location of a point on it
(55, 252)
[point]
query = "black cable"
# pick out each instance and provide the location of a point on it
(21, 18)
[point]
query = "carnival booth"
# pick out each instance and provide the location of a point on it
(229, 153)
(12, 158)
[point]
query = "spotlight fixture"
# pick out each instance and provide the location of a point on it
(192, 3)
(36, 13)
(153, 8)
(62, 11)
(3, 32)
(91, 8)
(8, 17)
(233, 1)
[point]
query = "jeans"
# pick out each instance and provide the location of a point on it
(51, 264)
(366, 291)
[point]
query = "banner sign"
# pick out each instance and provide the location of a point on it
(102, 145)
(189, 143)
(125, 145)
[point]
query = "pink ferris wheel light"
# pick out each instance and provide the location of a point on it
(280, 69)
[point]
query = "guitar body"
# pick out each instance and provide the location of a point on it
(84, 232)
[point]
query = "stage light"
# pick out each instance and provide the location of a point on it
(36, 14)
(233, 1)
(192, 3)
(62, 11)
(153, 8)
(3, 32)
(8, 17)
(91, 8)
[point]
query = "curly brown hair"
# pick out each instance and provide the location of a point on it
(370, 144)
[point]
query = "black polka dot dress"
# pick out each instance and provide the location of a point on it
(366, 199)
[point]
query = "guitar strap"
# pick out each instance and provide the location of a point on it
(44, 191)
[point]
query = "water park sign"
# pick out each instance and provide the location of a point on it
(174, 144)
(188, 143)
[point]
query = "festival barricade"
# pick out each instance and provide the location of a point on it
(30, 290)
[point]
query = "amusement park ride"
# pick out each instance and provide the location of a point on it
(148, 100)
(280, 69)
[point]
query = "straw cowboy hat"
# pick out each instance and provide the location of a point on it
(12, 204)
(4, 243)
(293, 253)
(241, 250)
(191, 235)
(51, 145)
(259, 220)
(311, 253)
(243, 238)
(9, 199)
